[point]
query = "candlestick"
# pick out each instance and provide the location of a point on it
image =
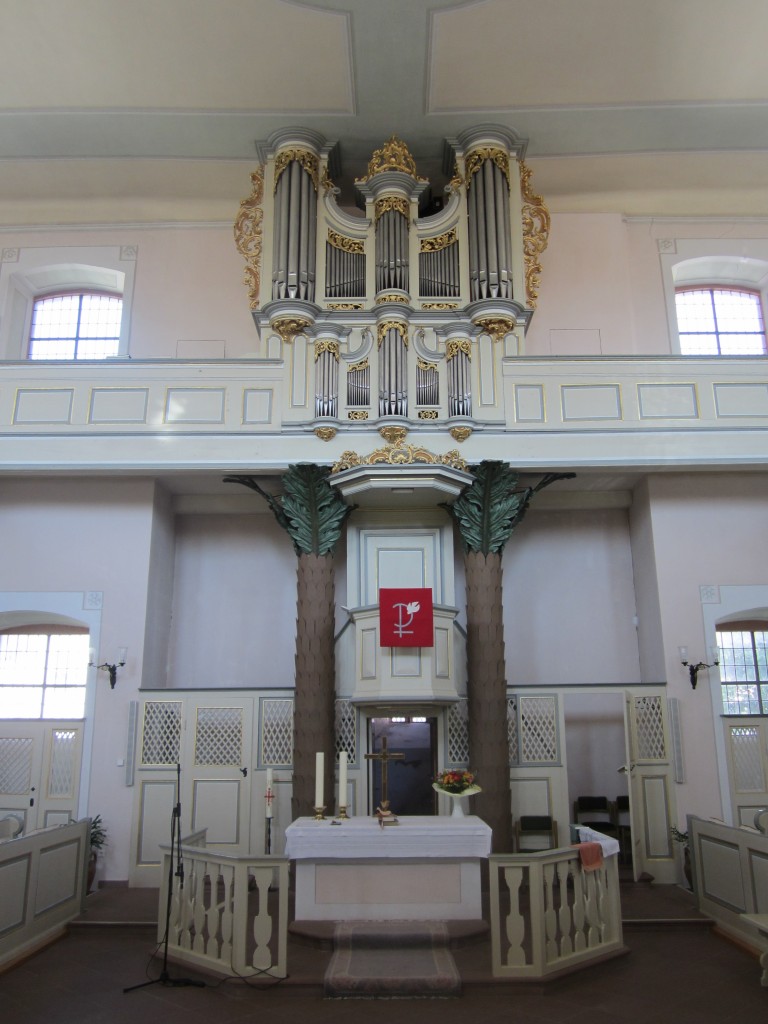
(268, 796)
(343, 759)
(319, 769)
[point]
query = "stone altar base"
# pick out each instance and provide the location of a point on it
(390, 960)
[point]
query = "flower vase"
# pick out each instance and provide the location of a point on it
(458, 806)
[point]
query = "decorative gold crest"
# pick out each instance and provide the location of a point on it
(358, 414)
(392, 325)
(289, 326)
(248, 229)
(456, 346)
(477, 158)
(325, 433)
(536, 223)
(397, 453)
(362, 365)
(397, 203)
(394, 435)
(460, 433)
(422, 364)
(393, 156)
(390, 297)
(327, 345)
(308, 161)
(498, 327)
(428, 414)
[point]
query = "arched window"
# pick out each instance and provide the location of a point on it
(43, 671)
(720, 322)
(78, 325)
(743, 650)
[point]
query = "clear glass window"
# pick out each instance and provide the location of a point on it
(77, 326)
(43, 675)
(720, 322)
(744, 670)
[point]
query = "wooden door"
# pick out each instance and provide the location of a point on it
(40, 762)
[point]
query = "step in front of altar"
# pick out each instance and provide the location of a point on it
(391, 959)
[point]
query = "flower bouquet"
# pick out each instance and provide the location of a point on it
(456, 782)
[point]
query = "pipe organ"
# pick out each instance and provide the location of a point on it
(401, 308)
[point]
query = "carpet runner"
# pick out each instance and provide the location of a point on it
(391, 960)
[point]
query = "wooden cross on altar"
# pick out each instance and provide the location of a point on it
(385, 756)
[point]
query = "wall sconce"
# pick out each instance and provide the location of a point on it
(122, 654)
(694, 669)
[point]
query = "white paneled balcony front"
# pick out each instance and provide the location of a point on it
(139, 415)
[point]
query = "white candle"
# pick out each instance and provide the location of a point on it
(269, 792)
(343, 778)
(319, 769)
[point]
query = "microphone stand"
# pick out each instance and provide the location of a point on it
(165, 978)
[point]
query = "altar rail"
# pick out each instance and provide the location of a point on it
(549, 915)
(730, 875)
(42, 881)
(229, 913)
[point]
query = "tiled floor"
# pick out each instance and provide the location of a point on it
(675, 972)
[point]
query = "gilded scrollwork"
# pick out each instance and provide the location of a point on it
(248, 235)
(338, 241)
(345, 305)
(456, 346)
(358, 414)
(289, 326)
(536, 224)
(428, 414)
(325, 433)
(460, 434)
(364, 364)
(393, 156)
(397, 203)
(439, 305)
(393, 325)
(397, 453)
(422, 364)
(477, 158)
(391, 297)
(393, 435)
(498, 327)
(327, 345)
(308, 161)
(439, 241)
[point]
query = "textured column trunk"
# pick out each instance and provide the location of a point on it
(313, 716)
(487, 696)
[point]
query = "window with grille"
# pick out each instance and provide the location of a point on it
(84, 325)
(743, 651)
(720, 322)
(43, 674)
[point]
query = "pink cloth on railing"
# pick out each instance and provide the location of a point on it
(591, 855)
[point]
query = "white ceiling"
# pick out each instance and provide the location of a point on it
(151, 110)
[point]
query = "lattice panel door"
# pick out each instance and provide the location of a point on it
(651, 788)
(747, 753)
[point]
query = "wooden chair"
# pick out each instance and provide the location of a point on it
(535, 827)
(595, 813)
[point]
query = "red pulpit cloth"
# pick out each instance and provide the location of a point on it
(406, 617)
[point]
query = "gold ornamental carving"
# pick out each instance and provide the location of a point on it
(393, 435)
(428, 414)
(390, 297)
(456, 346)
(326, 183)
(498, 327)
(477, 158)
(289, 326)
(326, 345)
(248, 235)
(536, 225)
(460, 433)
(439, 241)
(345, 244)
(396, 203)
(308, 161)
(392, 325)
(358, 414)
(325, 433)
(422, 364)
(364, 364)
(345, 305)
(439, 305)
(397, 453)
(393, 156)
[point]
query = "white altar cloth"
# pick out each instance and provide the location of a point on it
(424, 868)
(589, 835)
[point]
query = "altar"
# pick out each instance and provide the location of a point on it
(424, 868)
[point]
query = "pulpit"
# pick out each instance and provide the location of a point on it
(424, 868)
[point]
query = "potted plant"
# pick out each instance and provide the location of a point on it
(98, 837)
(682, 838)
